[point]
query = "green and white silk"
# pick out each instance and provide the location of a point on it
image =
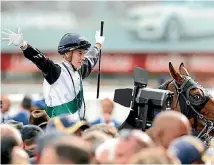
(61, 98)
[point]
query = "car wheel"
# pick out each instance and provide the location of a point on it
(173, 31)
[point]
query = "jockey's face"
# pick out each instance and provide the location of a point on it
(76, 57)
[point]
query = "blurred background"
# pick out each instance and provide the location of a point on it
(147, 34)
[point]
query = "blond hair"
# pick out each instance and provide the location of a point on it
(94, 136)
(105, 128)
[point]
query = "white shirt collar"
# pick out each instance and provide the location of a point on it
(68, 64)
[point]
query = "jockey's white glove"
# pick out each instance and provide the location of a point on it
(14, 38)
(99, 39)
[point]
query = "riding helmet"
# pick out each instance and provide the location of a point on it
(72, 41)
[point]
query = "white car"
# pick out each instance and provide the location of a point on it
(171, 20)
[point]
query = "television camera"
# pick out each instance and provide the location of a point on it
(145, 102)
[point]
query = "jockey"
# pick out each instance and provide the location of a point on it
(62, 87)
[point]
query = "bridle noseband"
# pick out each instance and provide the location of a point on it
(183, 90)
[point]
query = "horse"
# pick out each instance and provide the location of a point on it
(191, 99)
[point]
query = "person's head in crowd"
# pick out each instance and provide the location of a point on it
(47, 138)
(66, 150)
(167, 126)
(95, 136)
(105, 128)
(12, 146)
(29, 134)
(38, 117)
(16, 124)
(7, 145)
(153, 156)
(64, 154)
(75, 141)
(67, 124)
(131, 142)
(27, 103)
(105, 152)
(12, 152)
(6, 103)
(8, 130)
(107, 107)
(188, 149)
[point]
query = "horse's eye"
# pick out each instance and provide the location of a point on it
(196, 97)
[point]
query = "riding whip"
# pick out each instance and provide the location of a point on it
(98, 76)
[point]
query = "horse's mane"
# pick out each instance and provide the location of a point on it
(165, 85)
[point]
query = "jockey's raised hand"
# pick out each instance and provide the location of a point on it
(14, 38)
(99, 39)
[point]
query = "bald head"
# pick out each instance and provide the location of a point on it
(172, 119)
(6, 103)
(7, 130)
(169, 125)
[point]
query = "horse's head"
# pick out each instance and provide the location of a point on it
(189, 95)
(192, 100)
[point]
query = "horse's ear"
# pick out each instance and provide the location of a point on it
(183, 70)
(175, 75)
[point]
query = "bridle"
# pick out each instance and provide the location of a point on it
(195, 106)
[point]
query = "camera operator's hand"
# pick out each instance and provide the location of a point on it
(19, 156)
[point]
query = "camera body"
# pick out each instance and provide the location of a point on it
(145, 102)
